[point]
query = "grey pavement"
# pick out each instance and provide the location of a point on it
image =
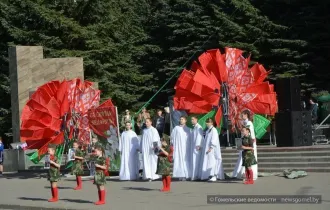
(31, 192)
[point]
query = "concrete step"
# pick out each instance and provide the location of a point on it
(281, 169)
(290, 165)
(270, 160)
(262, 154)
(284, 149)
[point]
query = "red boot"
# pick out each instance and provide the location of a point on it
(168, 183)
(251, 176)
(101, 198)
(247, 176)
(54, 195)
(79, 183)
(164, 184)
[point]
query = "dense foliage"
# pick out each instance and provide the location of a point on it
(132, 47)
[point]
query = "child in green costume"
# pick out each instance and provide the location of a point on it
(77, 167)
(165, 158)
(99, 178)
(248, 157)
(54, 173)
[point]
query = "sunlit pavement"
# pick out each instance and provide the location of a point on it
(23, 192)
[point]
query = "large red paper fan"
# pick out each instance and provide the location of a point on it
(200, 89)
(44, 116)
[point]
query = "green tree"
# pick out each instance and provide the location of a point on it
(310, 22)
(114, 51)
(180, 27)
(28, 23)
(107, 34)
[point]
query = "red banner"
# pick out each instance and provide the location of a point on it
(101, 118)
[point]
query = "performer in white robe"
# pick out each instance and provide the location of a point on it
(196, 145)
(211, 155)
(239, 170)
(129, 146)
(149, 136)
(180, 139)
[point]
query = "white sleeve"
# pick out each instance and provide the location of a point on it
(156, 137)
(136, 144)
(215, 138)
(172, 136)
(141, 140)
(253, 136)
(199, 136)
(120, 144)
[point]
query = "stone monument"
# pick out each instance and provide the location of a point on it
(28, 70)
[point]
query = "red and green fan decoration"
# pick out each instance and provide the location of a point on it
(54, 112)
(223, 85)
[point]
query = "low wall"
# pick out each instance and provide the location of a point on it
(17, 160)
(10, 162)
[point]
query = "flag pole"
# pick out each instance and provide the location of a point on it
(65, 140)
(90, 142)
(118, 135)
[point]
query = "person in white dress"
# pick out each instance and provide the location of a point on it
(211, 161)
(149, 157)
(239, 170)
(180, 139)
(129, 146)
(196, 145)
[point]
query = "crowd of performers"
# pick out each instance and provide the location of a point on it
(187, 154)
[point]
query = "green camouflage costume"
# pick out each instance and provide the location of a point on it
(164, 166)
(54, 172)
(93, 156)
(99, 178)
(98, 144)
(248, 155)
(77, 167)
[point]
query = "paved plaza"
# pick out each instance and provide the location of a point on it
(30, 191)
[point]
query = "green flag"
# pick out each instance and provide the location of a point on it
(34, 157)
(202, 118)
(260, 125)
(133, 124)
(69, 164)
(59, 152)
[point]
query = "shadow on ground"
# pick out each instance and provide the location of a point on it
(76, 200)
(61, 188)
(7, 206)
(32, 199)
(139, 189)
(28, 175)
(42, 199)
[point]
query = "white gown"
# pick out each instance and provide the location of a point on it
(129, 165)
(239, 170)
(211, 163)
(149, 158)
(197, 140)
(180, 139)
